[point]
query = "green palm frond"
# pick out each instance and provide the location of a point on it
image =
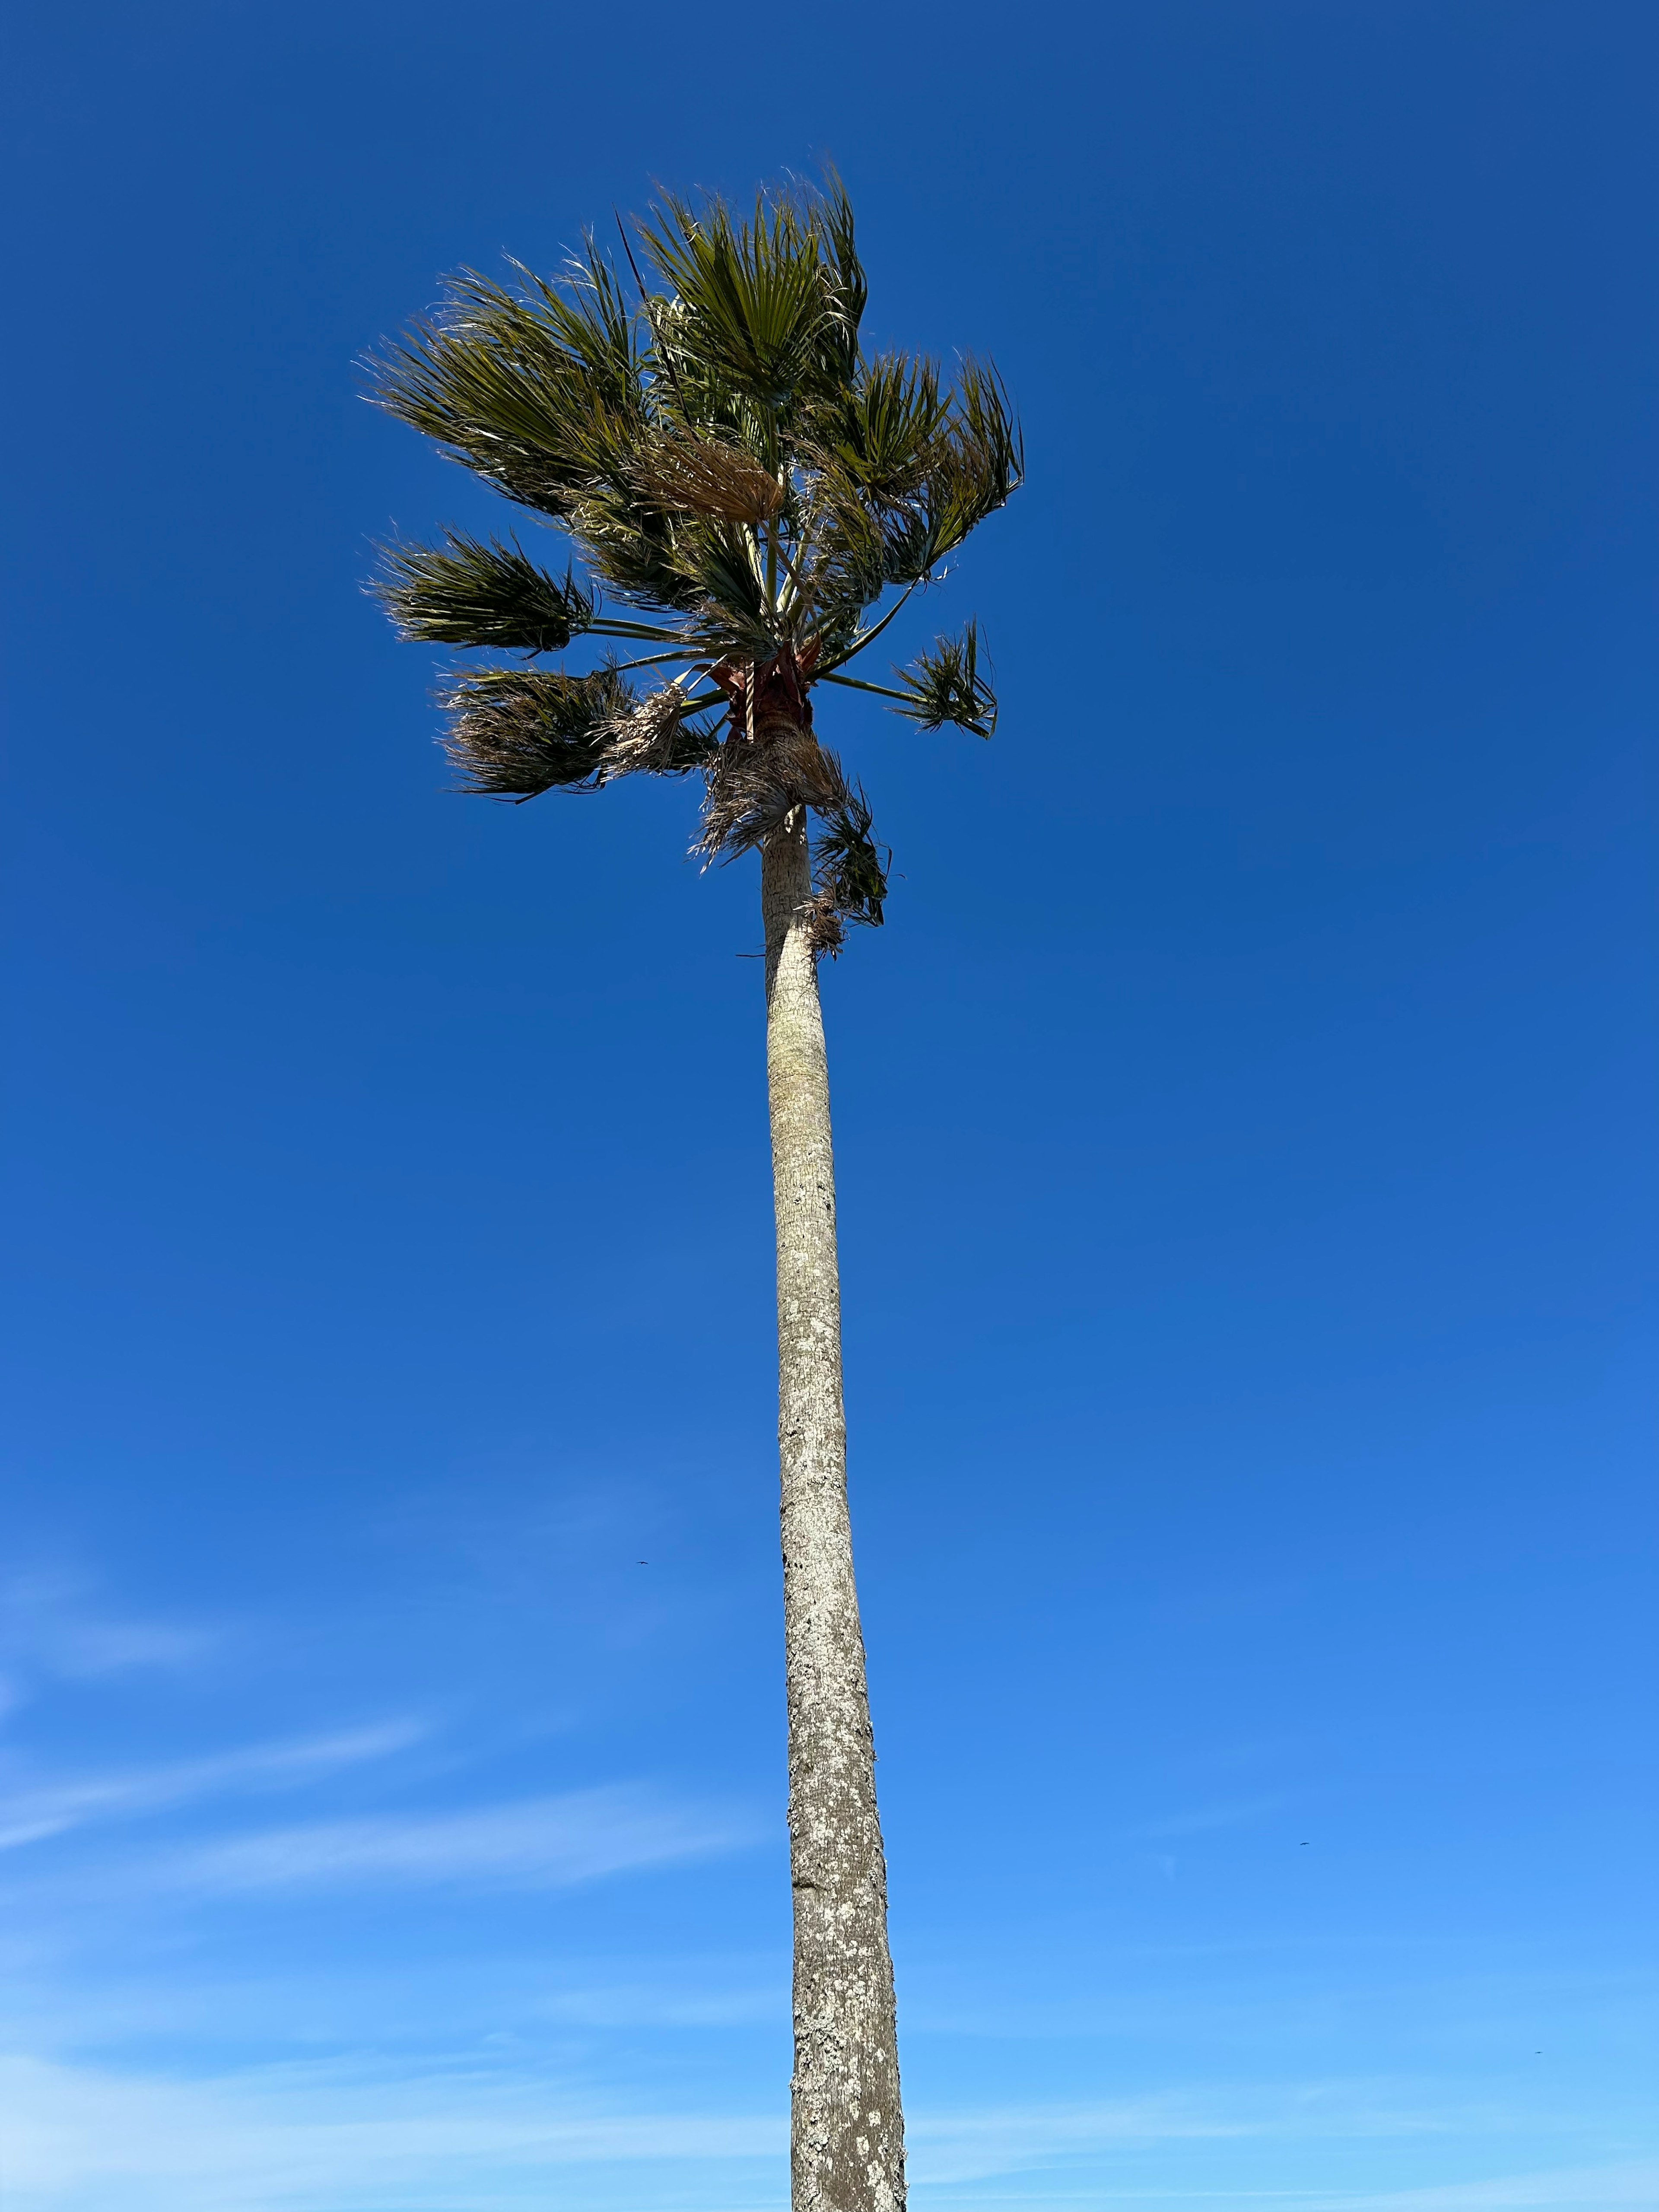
(750, 295)
(493, 382)
(844, 279)
(890, 425)
(988, 426)
(515, 732)
(912, 473)
(471, 593)
(945, 686)
(848, 566)
(770, 304)
(848, 867)
(590, 318)
(629, 543)
(974, 468)
(722, 575)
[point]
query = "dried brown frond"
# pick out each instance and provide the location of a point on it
(514, 732)
(642, 742)
(705, 476)
(754, 783)
(825, 930)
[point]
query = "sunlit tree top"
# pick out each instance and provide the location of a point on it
(744, 492)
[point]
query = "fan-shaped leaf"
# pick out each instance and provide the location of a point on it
(515, 732)
(945, 686)
(469, 592)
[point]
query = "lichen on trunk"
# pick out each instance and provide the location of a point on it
(847, 2125)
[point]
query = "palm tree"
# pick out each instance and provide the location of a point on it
(749, 487)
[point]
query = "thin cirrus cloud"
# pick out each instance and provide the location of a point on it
(51, 1624)
(954, 2148)
(1238, 1814)
(301, 2136)
(1621, 2188)
(544, 1843)
(30, 1814)
(329, 2137)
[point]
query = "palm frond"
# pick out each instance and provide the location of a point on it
(974, 467)
(945, 686)
(469, 592)
(589, 316)
(753, 299)
(656, 738)
(912, 471)
(629, 543)
(987, 423)
(849, 549)
(515, 732)
(831, 212)
(848, 867)
(707, 476)
(493, 382)
(753, 787)
(718, 565)
(890, 425)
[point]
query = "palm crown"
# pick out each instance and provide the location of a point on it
(734, 472)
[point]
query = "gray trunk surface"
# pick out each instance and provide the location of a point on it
(847, 2128)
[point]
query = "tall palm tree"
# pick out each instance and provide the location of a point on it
(758, 497)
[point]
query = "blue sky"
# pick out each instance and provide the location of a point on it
(1244, 1133)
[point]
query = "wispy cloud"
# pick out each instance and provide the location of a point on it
(52, 1624)
(50, 1808)
(539, 1844)
(328, 2137)
(1580, 2188)
(966, 2146)
(58, 2001)
(302, 2137)
(1237, 1813)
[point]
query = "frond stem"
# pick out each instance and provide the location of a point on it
(858, 683)
(651, 660)
(869, 637)
(652, 634)
(795, 576)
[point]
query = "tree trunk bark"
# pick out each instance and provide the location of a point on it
(847, 2132)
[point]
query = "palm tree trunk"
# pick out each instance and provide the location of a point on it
(847, 2132)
